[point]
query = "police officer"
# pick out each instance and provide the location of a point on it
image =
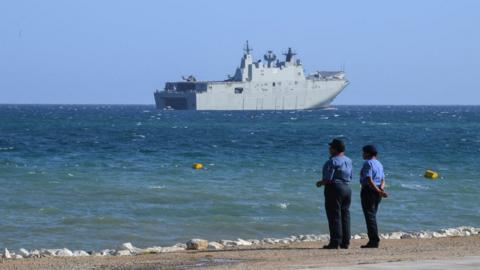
(372, 179)
(337, 174)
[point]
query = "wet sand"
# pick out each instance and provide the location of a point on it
(292, 256)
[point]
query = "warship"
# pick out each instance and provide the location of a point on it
(256, 85)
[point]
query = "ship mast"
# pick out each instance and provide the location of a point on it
(247, 48)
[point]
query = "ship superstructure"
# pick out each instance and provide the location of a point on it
(256, 85)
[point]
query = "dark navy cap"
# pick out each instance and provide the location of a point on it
(370, 149)
(338, 145)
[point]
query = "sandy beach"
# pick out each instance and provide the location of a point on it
(307, 255)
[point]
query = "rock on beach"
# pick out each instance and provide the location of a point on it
(197, 244)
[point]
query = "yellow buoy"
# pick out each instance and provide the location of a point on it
(197, 166)
(431, 174)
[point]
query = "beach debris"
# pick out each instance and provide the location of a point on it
(6, 254)
(197, 244)
(197, 166)
(214, 246)
(431, 174)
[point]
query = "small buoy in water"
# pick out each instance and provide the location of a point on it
(431, 174)
(197, 166)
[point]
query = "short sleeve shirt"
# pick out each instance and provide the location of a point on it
(374, 169)
(338, 169)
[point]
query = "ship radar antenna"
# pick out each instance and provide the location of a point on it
(289, 55)
(247, 48)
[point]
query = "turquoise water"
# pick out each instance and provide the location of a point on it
(92, 177)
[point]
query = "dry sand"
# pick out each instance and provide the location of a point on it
(294, 256)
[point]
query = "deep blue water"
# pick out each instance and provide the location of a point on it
(92, 177)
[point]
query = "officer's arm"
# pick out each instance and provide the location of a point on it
(382, 184)
(374, 187)
(327, 174)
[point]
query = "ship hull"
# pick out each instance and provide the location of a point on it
(224, 96)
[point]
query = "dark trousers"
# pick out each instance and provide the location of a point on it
(370, 201)
(337, 205)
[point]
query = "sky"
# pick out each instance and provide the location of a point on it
(119, 52)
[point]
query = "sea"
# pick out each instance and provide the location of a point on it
(95, 176)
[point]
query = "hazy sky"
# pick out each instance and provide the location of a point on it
(394, 52)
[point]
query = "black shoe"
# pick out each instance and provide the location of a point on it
(370, 245)
(330, 246)
(344, 246)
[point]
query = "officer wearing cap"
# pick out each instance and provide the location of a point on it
(372, 179)
(336, 176)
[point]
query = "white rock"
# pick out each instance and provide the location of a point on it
(228, 243)
(284, 241)
(180, 245)
(356, 237)
(451, 232)
(215, 246)
(197, 244)
(6, 254)
(425, 235)
(241, 242)
(172, 249)
(384, 236)
(80, 253)
(24, 252)
(124, 252)
(396, 235)
(268, 241)
(438, 235)
(308, 238)
(107, 252)
(408, 236)
(49, 252)
(323, 237)
(18, 256)
(34, 254)
(65, 252)
(128, 246)
(254, 241)
(152, 250)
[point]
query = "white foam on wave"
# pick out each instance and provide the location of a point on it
(414, 186)
(283, 205)
(157, 187)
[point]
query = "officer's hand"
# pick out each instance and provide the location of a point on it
(319, 183)
(383, 194)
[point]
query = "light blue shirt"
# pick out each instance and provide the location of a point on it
(374, 169)
(338, 169)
